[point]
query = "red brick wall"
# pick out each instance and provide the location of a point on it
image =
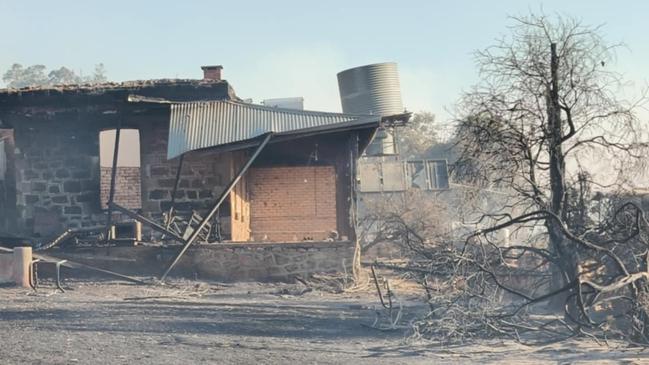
(292, 203)
(127, 187)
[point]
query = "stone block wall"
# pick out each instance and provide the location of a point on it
(57, 178)
(7, 182)
(6, 268)
(127, 186)
(204, 176)
(280, 261)
(268, 262)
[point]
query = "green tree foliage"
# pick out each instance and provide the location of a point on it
(418, 136)
(19, 76)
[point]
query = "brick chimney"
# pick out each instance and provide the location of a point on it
(212, 72)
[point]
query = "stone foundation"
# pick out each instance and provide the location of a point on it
(221, 262)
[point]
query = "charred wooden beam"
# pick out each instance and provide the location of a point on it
(175, 191)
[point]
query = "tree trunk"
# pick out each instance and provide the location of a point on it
(565, 268)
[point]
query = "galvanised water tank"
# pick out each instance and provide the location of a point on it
(371, 89)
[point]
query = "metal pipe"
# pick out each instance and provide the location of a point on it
(180, 167)
(220, 201)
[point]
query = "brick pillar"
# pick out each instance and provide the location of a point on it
(212, 72)
(22, 262)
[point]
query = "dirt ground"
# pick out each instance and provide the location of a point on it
(210, 323)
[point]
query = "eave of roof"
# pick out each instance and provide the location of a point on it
(200, 125)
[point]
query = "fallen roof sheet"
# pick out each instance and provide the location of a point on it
(198, 125)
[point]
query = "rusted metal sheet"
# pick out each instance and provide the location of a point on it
(198, 125)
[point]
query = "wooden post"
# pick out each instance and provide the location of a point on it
(174, 192)
(113, 175)
(357, 270)
(22, 266)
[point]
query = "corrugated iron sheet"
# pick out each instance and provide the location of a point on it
(198, 125)
(371, 89)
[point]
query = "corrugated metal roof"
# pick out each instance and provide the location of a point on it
(197, 125)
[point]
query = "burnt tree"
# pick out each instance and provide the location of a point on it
(546, 105)
(538, 128)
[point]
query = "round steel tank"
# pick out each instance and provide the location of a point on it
(371, 89)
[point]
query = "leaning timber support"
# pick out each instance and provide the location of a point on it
(175, 191)
(220, 201)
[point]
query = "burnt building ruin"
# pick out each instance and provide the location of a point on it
(211, 168)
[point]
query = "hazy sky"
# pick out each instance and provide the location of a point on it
(295, 48)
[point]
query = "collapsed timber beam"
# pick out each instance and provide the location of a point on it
(220, 201)
(144, 220)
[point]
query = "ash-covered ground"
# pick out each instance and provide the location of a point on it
(249, 323)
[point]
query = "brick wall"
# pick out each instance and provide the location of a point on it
(127, 186)
(292, 203)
